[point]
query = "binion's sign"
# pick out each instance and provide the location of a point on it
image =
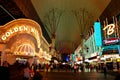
(111, 41)
(110, 31)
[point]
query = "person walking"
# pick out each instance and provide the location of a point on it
(105, 70)
(51, 67)
(117, 77)
(26, 72)
(37, 76)
(4, 71)
(75, 68)
(47, 67)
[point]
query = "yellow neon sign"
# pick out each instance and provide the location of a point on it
(22, 28)
(110, 29)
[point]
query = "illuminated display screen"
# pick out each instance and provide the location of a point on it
(97, 34)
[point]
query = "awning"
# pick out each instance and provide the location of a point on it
(110, 52)
(114, 49)
(95, 57)
(111, 47)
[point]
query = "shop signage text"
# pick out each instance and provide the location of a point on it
(22, 29)
(111, 41)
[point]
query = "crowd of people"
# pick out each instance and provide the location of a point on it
(19, 71)
(25, 71)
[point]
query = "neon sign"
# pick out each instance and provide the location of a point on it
(111, 40)
(97, 34)
(14, 30)
(110, 29)
(22, 28)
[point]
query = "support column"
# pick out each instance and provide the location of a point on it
(2, 49)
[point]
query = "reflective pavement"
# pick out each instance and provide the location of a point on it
(75, 76)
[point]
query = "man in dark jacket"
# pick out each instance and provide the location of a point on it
(37, 76)
(4, 71)
(118, 75)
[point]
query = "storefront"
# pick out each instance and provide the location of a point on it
(110, 43)
(91, 51)
(22, 40)
(78, 58)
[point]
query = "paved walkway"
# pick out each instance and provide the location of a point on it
(70, 75)
(75, 76)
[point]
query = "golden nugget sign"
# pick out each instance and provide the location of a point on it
(24, 29)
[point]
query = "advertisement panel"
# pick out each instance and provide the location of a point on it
(97, 34)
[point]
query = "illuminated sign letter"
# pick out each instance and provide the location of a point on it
(32, 30)
(11, 31)
(7, 34)
(15, 29)
(3, 37)
(110, 28)
(25, 28)
(20, 28)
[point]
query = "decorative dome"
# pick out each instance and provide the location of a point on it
(25, 49)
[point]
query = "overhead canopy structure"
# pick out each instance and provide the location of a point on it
(69, 17)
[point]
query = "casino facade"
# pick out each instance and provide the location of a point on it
(22, 39)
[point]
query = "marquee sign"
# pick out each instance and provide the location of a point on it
(111, 33)
(21, 26)
(111, 41)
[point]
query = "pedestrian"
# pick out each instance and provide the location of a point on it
(105, 70)
(117, 77)
(37, 75)
(47, 67)
(51, 67)
(4, 71)
(26, 72)
(31, 72)
(75, 68)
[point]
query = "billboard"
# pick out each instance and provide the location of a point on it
(97, 34)
(110, 34)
